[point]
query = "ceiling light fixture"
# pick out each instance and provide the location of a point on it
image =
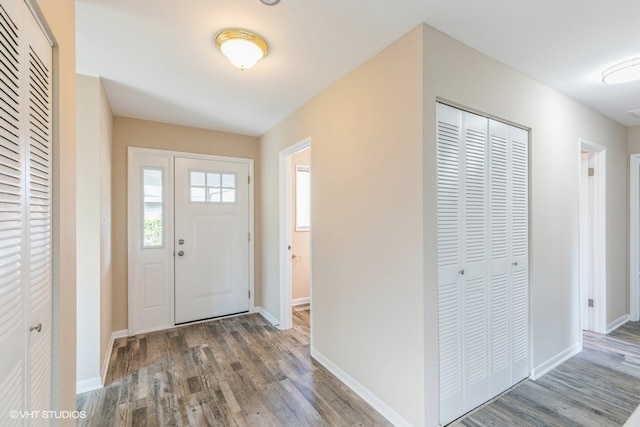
(270, 2)
(242, 47)
(623, 72)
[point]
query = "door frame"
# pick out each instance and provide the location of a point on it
(634, 236)
(133, 226)
(286, 222)
(599, 233)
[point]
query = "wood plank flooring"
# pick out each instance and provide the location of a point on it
(599, 387)
(239, 371)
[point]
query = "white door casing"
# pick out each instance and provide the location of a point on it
(586, 241)
(153, 269)
(286, 224)
(26, 135)
(211, 239)
(596, 236)
(634, 237)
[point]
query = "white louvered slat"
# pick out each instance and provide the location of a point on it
(475, 142)
(519, 196)
(499, 198)
(40, 363)
(476, 338)
(450, 346)
(500, 321)
(448, 195)
(40, 179)
(12, 212)
(11, 393)
(520, 316)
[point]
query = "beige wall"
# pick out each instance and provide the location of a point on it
(366, 145)
(94, 292)
(457, 73)
(300, 240)
(60, 16)
(633, 140)
(140, 133)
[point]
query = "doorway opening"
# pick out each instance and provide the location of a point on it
(593, 296)
(295, 231)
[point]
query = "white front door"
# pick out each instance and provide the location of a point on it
(211, 238)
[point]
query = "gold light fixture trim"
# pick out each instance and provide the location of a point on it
(243, 48)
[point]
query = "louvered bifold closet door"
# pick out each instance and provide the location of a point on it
(476, 377)
(38, 141)
(509, 271)
(462, 261)
(482, 213)
(519, 143)
(450, 281)
(25, 213)
(12, 215)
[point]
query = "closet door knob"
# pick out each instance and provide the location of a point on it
(36, 328)
(515, 263)
(461, 272)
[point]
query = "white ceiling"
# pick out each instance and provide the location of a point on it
(159, 62)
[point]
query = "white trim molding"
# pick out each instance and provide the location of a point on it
(300, 301)
(107, 356)
(285, 224)
(267, 316)
(555, 361)
(634, 237)
(599, 234)
(96, 383)
(90, 384)
(617, 323)
(373, 400)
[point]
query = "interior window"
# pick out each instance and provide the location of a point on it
(213, 187)
(153, 228)
(303, 198)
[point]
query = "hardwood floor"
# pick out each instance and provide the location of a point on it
(599, 387)
(239, 371)
(242, 371)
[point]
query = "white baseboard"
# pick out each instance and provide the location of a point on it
(268, 316)
(617, 323)
(300, 301)
(107, 357)
(634, 420)
(90, 384)
(555, 361)
(373, 400)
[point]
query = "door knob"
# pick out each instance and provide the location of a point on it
(36, 328)
(180, 253)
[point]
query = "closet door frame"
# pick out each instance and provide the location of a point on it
(516, 167)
